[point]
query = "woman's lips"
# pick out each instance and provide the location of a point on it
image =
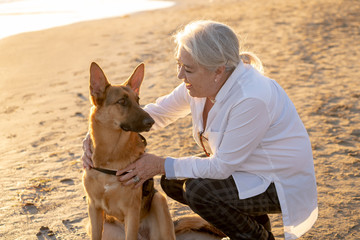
(188, 86)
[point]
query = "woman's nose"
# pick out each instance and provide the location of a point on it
(181, 74)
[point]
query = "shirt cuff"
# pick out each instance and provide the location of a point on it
(169, 168)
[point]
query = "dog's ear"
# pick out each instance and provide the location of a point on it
(136, 78)
(98, 84)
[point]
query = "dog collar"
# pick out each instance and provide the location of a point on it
(107, 171)
(147, 188)
(113, 172)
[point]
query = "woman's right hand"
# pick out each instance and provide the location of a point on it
(87, 153)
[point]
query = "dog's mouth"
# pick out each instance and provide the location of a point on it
(127, 128)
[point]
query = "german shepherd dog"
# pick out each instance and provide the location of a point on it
(116, 119)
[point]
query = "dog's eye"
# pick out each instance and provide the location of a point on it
(122, 101)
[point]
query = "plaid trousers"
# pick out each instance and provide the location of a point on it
(217, 202)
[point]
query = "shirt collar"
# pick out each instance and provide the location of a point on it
(239, 70)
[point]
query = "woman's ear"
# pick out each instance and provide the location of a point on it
(219, 73)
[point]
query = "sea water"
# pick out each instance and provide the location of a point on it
(17, 16)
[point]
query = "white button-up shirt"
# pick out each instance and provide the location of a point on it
(255, 135)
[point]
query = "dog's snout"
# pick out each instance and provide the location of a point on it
(148, 122)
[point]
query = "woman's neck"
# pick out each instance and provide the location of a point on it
(220, 84)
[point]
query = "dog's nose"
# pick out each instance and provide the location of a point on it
(148, 122)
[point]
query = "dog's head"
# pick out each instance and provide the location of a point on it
(117, 106)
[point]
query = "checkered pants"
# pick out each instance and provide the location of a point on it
(217, 202)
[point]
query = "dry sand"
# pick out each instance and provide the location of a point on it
(312, 48)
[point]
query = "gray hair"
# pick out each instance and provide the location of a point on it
(213, 44)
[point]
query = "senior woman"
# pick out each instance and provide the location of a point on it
(258, 154)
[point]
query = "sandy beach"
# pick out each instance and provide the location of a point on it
(312, 48)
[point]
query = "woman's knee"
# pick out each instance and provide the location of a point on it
(196, 192)
(173, 188)
(163, 182)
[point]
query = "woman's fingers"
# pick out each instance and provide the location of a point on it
(127, 175)
(87, 154)
(87, 163)
(128, 169)
(87, 142)
(140, 183)
(133, 176)
(146, 167)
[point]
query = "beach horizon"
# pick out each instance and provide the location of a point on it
(19, 16)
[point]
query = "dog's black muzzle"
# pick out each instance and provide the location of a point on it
(139, 126)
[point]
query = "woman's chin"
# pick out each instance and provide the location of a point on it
(191, 93)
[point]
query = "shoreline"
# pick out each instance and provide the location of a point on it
(310, 48)
(43, 17)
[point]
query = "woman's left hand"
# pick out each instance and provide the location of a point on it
(146, 167)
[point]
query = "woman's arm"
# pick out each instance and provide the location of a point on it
(248, 123)
(169, 108)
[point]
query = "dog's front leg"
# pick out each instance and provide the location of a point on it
(96, 222)
(132, 223)
(161, 227)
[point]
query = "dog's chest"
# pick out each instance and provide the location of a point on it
(110, 187)
(107, 193)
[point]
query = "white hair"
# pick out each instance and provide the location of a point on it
(213, 44)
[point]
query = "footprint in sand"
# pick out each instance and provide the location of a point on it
(46, 138)
(10, 109)
(72, 224)
(29, 200)
(57, 83)
(79, 114)
(82, 97)
(27, 97)
(81, 100)
(67, 181)
(45, 233)
(78, 73)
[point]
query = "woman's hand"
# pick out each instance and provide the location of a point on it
(87, 153)
(146, 167)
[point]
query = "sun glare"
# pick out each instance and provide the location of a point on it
(32, 15)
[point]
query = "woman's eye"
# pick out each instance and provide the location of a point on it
(179, 66)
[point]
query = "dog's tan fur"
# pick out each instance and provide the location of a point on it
(115, 108)
(115, 119)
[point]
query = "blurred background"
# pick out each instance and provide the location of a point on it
(17, 16)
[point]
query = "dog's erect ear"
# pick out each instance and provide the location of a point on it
(98, 84)
(136, 78)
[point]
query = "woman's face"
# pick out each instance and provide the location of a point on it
(200, 82)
